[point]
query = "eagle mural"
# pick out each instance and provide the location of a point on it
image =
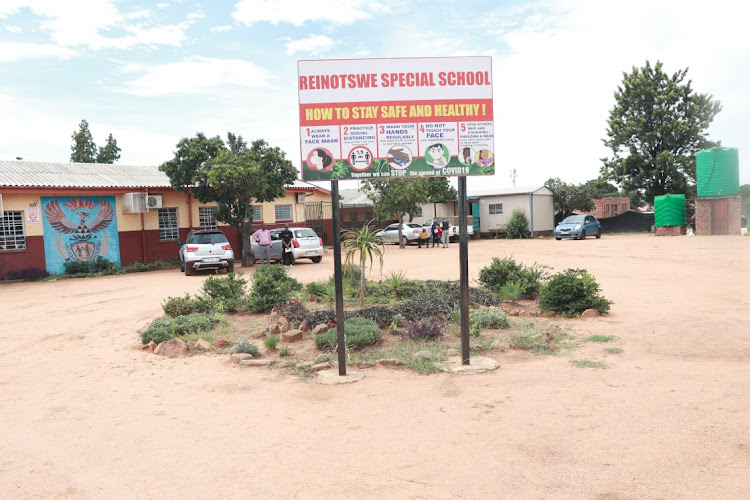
(80, 231)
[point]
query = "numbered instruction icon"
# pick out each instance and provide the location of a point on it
(485, 158)
(399, 157)
(320, 159)
(437, 156)
(360, 158)
(466, 156)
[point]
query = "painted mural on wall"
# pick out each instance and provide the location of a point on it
(79, 228)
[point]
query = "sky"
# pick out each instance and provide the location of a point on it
(151, 73)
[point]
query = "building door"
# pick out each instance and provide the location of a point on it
(719, 217)
(475, 215)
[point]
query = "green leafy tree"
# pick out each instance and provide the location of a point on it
(745, 197)
(396, 197)
(369, 245)
(233, 175)
(84, 150)
(439, 190)
(600, 188)
(654, 130)
(569, 198)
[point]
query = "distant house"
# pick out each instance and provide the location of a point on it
(51, 213)
(494, 207)
(609, 207)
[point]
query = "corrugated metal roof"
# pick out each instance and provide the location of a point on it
(89, 175)
(509, 191)
(349, 197)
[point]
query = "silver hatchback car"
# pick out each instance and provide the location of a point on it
(306, 244)
(208, 249)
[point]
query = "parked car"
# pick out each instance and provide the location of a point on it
(453, 229)
(578, 227)
(208, 249)
(306, 244)
(409, 232)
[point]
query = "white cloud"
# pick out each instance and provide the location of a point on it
(196, 75)
(194, 16)
(220, 29)
(314, 44)
(14, 29)
(10, 51)
(297, 12)
(162, 5)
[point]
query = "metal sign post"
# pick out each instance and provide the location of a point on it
(338, 278)
(463, 254)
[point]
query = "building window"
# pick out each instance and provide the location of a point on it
(606, 209)
(368, 215)
(283, 212)
(12, 235)
(206, 218)
(257, 212)
(168, 227)
(614, 209)
(496, 208)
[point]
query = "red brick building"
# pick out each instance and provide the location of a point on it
(610, 207)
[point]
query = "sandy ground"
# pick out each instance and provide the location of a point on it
(83, 415)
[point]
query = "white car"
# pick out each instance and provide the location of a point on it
(409, 232)
(306, 244)
(206, 250)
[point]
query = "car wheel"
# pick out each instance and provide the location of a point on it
(317, 259)
(583, 234)
(405, 240)
(188, 270)
(558, 239)
(599, 234)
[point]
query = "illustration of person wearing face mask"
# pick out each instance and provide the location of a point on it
(320, 159)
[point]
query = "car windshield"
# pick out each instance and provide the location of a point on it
(203, 238)
(305, 233)
(573, 219)
(413, 225)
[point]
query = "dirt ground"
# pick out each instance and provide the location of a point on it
(84, 415)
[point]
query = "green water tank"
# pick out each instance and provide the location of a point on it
(669, 210)
(718, 172)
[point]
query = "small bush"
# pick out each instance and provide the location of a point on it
(511, 290)
(294, 312)
(352, 275)
(285, 351)
(102, 265)
(518, 225)
(425, 329)
(167, 328)
(227, 292)
(316, 288)
(360, 332)
(246, 347)
(532, 337)
(76, 267)
(571, 292)
(481, 319)
(271, 342)
(503, 271)
(182, 306)
(271, 285)
(30, 274)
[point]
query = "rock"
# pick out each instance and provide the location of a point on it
(548, 314)
(421, 355)
(320, 366)
(389, 362)
(320, 329)
(292, 336)
(258, 335)
(590, 313)
(322, 358)
(238, 357)
(174, 347)
(255, 362)
(202, 345)
(283, 324)
(364, 364)
(149, 347)
(220, 343)
(500, 345)
(191, 345)
(448, 353)
(272, 330)
(513, 312)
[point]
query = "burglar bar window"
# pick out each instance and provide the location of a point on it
(283, 212)
(496, 208)
(206, 218)
(257, 213)
(168, 228)
(12, 236)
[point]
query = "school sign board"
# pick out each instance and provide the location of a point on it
(415, 117)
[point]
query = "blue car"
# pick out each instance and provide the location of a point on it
(578, 227)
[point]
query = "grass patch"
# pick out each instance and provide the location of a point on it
(404, 352)
(599, 338)
(532, 336)
(587, 363)
(613, 350)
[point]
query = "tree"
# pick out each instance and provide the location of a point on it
(569, 197)
(232, 175)
(396, 197)
(368, 245)
(110, 153)
(654, 130)
(745, 197)
(600, 188)
(84, 148)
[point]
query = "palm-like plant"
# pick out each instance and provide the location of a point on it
(369, 245)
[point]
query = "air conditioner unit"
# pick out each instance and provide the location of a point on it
(301, 197)
(134, 203)
(154, 201)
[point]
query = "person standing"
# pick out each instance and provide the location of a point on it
(263, 237)
(435, 230)
(286, 246)
(445, 226)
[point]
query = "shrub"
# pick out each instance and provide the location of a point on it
(518, 225)
(503, 271)
(30, 274)
(167, 328)
(285, 351)
(511, 290)
(272, 341)
(360, 332)
(571, 292)
(425, 329)
(102, 265)
(294, 312)
(76, 267)
(227, 292)
(382, 315)
(352, 275)
(271, 285)
(247, 347)
(182, 306)
(481, 319)
(316, 288)
(532, 337)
